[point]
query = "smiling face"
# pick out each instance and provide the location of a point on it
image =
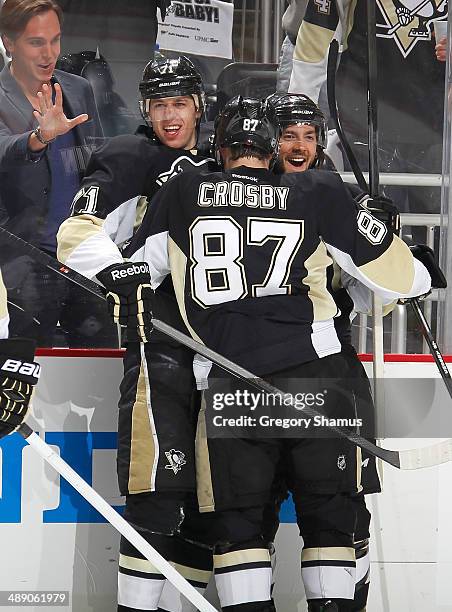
(174, 121)
(297, 147)
(35, 51)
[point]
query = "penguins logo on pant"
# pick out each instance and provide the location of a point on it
(176, 459)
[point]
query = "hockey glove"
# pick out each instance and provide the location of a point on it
(426, 256)
(18, 375)
(129, 296)
(385, 210)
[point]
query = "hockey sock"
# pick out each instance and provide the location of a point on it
(328, 565)
(243, 576)
(362, 575)
(195, 563)
(328, 570)
(140, 584)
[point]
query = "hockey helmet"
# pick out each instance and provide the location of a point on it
(294, 109)
(77, 63)
(169, 78)
(247, 121)
(92, 66)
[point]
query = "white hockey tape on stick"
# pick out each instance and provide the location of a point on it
(426, 457)
(115, 519)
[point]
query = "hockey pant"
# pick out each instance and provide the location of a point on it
(157, 417)
(235, 477)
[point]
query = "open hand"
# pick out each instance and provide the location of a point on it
(51, 118)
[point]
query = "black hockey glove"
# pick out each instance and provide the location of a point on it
(385, 210)
(18, 375)
(426, 256)
(129, 296)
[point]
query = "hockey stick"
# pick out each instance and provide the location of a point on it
(331, 94)
(405, 459)
(374, 177)
(115, 519)
(374, 188)
(434, 348)
(331, 80)
(377, 319)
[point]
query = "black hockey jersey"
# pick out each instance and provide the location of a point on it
(410, 84)
(248, 252)
(123, 168)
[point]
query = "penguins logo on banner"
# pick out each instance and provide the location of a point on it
(409, 21)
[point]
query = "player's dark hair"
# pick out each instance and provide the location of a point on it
(242, 150)
(15, 14)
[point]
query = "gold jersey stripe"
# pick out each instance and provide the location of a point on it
(142, 206)
(74, 231)
(192, 573)
(178, 263)
(204, 484)
(239, 557)
(330, 553)
(323, 305)
(312, 40)
(137, 565)
(394, 269)
(142, 447)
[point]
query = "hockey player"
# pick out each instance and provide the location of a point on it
(410, 88)
(302, 144)
(248, 252)
(157, 416)
(18, 373)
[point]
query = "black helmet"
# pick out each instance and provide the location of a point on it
(76, 63)
(291, 109)
(247, 121)
(168, 78)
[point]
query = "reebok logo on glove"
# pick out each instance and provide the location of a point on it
(129, 296)
(130, 271)
(22, 367)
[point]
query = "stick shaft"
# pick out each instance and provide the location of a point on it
(434, 348)
(115, 519)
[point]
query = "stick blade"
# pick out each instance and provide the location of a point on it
(429, 456)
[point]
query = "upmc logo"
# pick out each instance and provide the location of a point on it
(76, 448)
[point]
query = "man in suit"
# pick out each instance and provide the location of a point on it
(48, 126)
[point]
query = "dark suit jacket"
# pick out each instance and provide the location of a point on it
(25, 177)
